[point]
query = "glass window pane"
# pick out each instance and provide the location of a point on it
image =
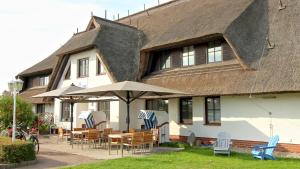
(192, 60)
(168, 62)
(211, 49)
(210, 116)
(218, 48)
(210, 104)
(185, 61)
(217, 116)
(218, 56)
(217, 103)
(211, 57)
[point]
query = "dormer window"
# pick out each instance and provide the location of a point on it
(100, 68)
(214, 52)
(188, 57)
(83, 67)
(44, 80)
(165, 61)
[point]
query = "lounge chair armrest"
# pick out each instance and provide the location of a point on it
(268, 147)
(260, 146)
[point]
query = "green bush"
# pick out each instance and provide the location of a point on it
(24, 114)
(44, 129)
(16, 152)
(176, 145)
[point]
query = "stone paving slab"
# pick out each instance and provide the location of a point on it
(54, 155)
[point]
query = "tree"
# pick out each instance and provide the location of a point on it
(24, 114)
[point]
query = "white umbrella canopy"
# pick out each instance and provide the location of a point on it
(120, 90)
(127, 91)
(58, 93)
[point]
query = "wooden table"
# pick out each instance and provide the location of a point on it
(117, 136)
(80, 134)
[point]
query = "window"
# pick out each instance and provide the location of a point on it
(212, 110)
(157, 104)
(83, 67)
(188, 57)
(186, 111)
(40, 108)
(44, 80)
(68, 74)
(165, 61)
(100, 68)
(104, 106)
(214, 52)
(65, 112)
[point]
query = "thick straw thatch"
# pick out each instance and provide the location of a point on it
(276, 71)
(245, 24)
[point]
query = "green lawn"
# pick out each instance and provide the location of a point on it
(198, 158)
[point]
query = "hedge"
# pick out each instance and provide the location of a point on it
(16, 152)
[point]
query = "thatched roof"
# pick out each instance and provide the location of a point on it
(276, 71)
(186, 19)
(27, 95)
(117, 44)
(44, 67)
(244, 24)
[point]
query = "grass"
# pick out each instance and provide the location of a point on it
(196, 158)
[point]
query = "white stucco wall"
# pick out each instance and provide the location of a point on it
(244, 118)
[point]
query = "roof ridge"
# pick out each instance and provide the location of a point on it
(114, 22)
(149, 9)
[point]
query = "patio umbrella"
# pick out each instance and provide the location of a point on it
(127, 91)
(61, 94)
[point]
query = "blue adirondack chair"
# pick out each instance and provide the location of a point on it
(265, 151)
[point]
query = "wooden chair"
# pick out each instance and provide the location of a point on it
(132, 130)
(264, 152)
(91, 138)
(155, 133)
(223, 144)
(104, 137)
(148, 140)
(61, 135)
(135, 141)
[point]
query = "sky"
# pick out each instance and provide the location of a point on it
(31, 30)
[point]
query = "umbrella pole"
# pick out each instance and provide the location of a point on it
(72, 107)
(128, 109)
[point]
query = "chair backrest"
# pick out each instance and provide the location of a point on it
(107, 131)
(148, 137)
(223, 140)
(137, 138)
(131, 130)
(272, 143)
(155, 133)
(78, 129)
(92, 135)
(60, 131)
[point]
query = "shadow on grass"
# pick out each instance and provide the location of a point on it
(234, 155)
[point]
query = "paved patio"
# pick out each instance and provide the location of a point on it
(54, 155)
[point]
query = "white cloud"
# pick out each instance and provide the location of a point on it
(31, 30)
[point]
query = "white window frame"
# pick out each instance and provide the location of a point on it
(189, 53)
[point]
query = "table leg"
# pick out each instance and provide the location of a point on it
(122, 146)
(109, 145)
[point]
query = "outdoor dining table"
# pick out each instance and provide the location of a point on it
(80, 134)
(117, 136)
